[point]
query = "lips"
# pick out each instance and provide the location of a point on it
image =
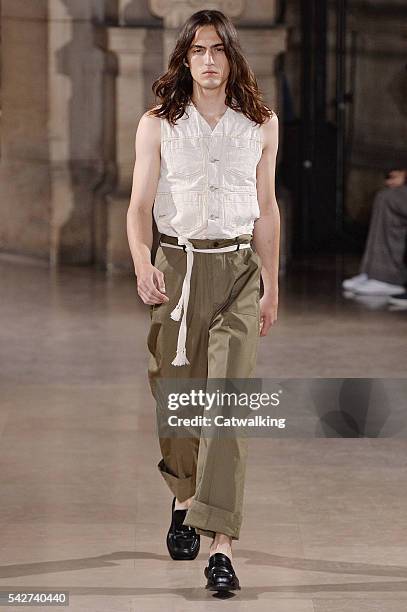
(209, 72)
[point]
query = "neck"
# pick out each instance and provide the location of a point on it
(210, 103)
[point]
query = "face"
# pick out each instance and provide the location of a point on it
(207, 59)
(396, 178)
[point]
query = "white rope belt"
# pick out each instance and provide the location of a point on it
(181, 357)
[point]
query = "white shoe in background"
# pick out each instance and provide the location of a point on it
(398, 300)
(351, 283)
(375, 287)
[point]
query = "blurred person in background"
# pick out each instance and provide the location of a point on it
(383, 270)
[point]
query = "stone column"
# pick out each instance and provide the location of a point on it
(138, 53)
(24, 169)
(76, 152)
(52, 128)
(128, 46)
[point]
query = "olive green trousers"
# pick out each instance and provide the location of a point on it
(223, 320)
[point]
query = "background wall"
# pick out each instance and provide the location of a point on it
(77, 75)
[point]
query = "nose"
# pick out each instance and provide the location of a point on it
(209, 58)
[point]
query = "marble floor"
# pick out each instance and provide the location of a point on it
(83, 508)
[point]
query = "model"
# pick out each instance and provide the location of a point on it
(205, 169)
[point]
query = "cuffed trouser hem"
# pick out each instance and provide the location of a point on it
(182, 488)
(208, 520)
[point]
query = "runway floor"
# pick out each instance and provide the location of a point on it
(83, 507)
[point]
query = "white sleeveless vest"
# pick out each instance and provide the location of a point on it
(207, 184)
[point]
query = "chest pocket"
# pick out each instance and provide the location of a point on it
(183, 157)
(241, 157)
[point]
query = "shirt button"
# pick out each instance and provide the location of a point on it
(212, 187)
(213, 217)
(213, 159)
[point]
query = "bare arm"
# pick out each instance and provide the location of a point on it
(266, 233)
(150, 281)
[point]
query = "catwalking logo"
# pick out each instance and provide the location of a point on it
(221, 421)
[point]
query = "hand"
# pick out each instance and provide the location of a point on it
(150, 284)
(396, 178)
(268, 311)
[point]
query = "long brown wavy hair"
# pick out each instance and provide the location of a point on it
(174, 88)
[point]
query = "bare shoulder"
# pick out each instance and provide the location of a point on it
(149, 128)
(150, 120)
(269, 130)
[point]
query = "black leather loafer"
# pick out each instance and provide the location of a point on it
(220, 574)
(182, 540)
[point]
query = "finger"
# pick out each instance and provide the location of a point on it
(160, 281)
(266, 326)
(152, 294)
(145, 298)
